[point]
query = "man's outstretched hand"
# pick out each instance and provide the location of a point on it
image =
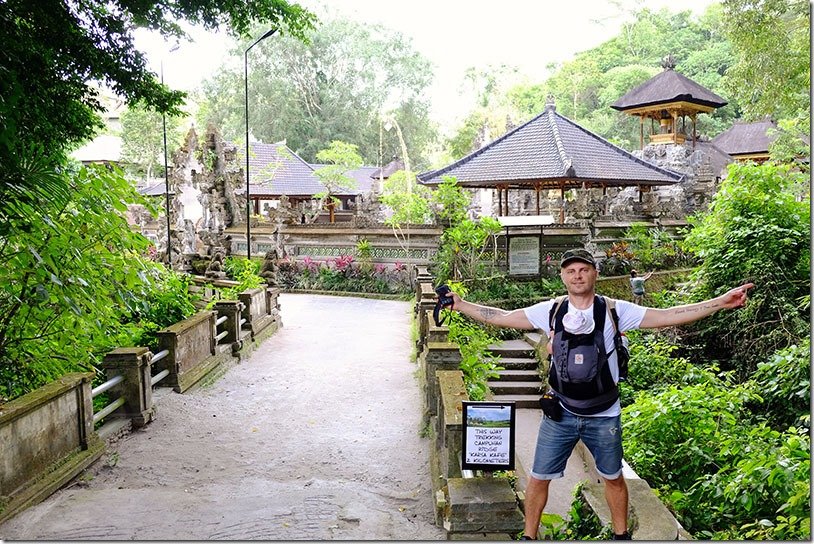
(736, 298)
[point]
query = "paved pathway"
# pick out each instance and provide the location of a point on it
(315, 437)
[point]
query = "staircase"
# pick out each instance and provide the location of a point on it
(520, 381)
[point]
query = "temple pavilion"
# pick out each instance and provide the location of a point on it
(551, 152)
(666, 99)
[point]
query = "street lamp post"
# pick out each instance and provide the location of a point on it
(246, 107)
(166, 171)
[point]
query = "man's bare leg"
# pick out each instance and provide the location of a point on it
(616, 495)
(536, 499)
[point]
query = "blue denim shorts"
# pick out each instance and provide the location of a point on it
(556, 441)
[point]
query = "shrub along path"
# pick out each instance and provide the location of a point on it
(315, 437)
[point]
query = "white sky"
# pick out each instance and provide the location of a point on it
(453, 34)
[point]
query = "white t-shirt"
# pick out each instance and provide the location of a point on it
(630, 317)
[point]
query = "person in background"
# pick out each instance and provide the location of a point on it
(637, 285)
(584, 376)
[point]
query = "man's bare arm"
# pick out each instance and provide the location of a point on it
(679, 315)
(515, 319)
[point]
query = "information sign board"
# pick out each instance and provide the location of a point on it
(488, 435)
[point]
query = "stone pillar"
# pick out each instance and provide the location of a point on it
(231, 309)
(437, 356)
(425, 297)
(449, 433)
(273, 302)
(134, 365)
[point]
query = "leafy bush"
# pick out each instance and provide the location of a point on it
(672, 437)
(756, 230)
(168, 301)
(655, 249)
(653, 367)
(463, 246)
(784, 385)
(72, 273)
(477, 363)
(618, 259)
(343, 274)
(761, 491)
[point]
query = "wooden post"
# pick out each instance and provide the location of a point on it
(641, 132)
(693, 129)
(537, 194)
(674, 115)
(562, 202)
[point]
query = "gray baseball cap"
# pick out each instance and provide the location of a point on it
(578, 254)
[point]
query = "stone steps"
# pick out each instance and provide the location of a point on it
(519, 382)
(510, 387)
(512, 348)
(520, 401)
(518, 363)
(524, 375)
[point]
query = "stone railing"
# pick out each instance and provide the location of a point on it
(47, 436)
(467, 506)
(321, 242)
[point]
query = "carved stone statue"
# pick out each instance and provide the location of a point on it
(215, 268)
(269, 268)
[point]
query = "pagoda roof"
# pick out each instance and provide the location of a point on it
(668, 86)
(553, 152)
(389, 169)
(275, 169)
(746, 138)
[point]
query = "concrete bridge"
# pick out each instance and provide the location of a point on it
(317, 436)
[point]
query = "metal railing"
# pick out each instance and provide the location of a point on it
(116, 380)
(223, 334)
(99, 389)
(164, 373)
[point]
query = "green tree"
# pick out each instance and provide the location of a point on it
(772, 75)
(756, 230)
(341, 157)
(451, 201)
(53, 51)
(585, 86)
(143, 139)
(409, 204)
(333, 88)
(69, 282)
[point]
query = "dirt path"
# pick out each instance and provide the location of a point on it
(315, 437)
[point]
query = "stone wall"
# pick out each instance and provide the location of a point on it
(46, 438)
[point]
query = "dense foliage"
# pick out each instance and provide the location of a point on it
(336, 87)
(68, 282)
(478, 364)
(55, 54)
(344, 274)
(758, 230)
(584, 87)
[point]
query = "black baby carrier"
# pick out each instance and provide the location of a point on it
(579, 372)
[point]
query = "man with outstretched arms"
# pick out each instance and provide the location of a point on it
(583, 376)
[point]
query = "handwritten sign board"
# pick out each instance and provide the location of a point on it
(524, 255)
(488, 441)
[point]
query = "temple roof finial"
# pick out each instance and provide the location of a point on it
(668, 62)
(550, 104)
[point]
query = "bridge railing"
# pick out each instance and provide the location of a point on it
(48, 436)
